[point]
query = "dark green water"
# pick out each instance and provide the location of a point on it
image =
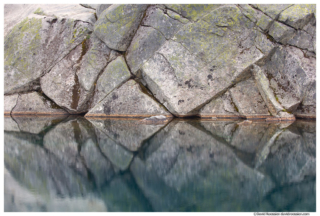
(78, 164)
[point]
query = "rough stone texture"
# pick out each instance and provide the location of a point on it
(114, 75)
(117, 25)
(302, 40)
(36, 104)
(157, 19)
(10, 102)
(267, 93)
(90, 6)
(183, 68)
(129, 100)
(290, 74)
(35, 45)
(100, 8)
(145, 43)
(192, 11)
(128, 133)
(307, 108)
(272, 10)
(221, 107)
(15, 13)
(70, 83)
(298, 15)
(248, 100)
(281, 33)
(262, 21)
(221, 130)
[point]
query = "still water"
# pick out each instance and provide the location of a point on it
(77, 164)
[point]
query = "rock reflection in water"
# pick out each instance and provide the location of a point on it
(75, 164)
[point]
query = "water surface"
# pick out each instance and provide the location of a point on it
(77, 164)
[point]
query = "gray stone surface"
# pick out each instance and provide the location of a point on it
(298, 15)
(193, 11)
(130, 100)
(157, 19)
(71, 82)
(35, 45)
(15, 13)
(289, 74)
(272, 10)
(183, 68)
(248, 100)
(281, 33)
(117, 25)
(114, 75)
(266, 92)
(100, 8)
(145, 43)
(220, 107)
(10, 102)
(36, 104)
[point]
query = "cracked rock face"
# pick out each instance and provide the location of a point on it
(130, 99)
(193, 59)
(186, 72)
(117, 25)
(35, 45)
(35, 103)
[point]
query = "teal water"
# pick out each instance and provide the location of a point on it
(78, 164)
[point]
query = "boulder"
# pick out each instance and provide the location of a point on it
(117, 25)
(100, 8)
(15, 13)
(36, 104)
(130, 100)
(221, 107)
(71, 82)
(35, 45)
(281, 33)
(113, 76)
(248, 100)
(272, 10)
(298, 15)
(182, 74)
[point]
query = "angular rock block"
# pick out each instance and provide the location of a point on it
(36, 104)
(196, 65)
(71, 82)
(129, 100)
(117, 25)
(35, 45)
